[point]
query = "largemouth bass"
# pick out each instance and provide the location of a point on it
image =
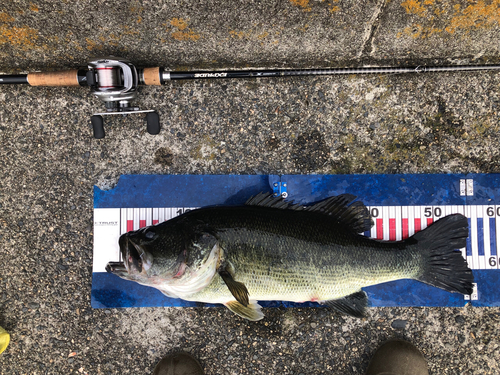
(269, 249)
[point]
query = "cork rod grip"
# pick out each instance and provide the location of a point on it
(63, 78)
(152, 76)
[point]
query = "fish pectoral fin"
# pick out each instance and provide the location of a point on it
(253, 311)
(237, 289)
(354, 304)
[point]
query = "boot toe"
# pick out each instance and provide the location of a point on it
(397, 357)
(178, 364)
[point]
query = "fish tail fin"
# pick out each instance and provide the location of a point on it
(443, 266)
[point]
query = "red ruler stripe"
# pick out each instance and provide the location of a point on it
(380, 229)
(418, 225)
(405, 229)
(392, 229)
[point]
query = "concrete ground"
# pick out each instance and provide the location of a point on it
(49, 162)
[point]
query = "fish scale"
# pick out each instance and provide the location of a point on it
(276, 258)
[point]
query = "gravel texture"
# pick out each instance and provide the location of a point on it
(49, 162)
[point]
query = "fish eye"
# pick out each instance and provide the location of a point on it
(149, 235)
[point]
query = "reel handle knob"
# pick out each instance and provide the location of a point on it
(98, 126)
(153, 123)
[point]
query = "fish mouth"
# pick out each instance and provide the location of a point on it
(136, 258)
(116, 268)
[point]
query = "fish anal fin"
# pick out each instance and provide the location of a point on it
(354, 304)
(237, 289)
(251, 312)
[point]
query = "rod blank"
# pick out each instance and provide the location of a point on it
(14, 79)
(316, 72)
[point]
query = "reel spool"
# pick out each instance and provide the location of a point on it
(115, 82)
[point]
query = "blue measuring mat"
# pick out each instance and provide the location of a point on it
(400, 204)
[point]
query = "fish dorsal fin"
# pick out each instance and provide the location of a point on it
(269, 200)
(352, 214)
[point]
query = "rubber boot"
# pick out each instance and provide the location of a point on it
(178, 364)
(397, 357)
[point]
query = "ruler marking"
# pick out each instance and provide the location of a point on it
(149, 217)
(480, 237)
(156, 215)
(468, 245)
(123, 228)
(375, 213)
(418, 225)
(480, 234)
(385, 218)
(399, 224)
(123, 220)
(392, 229)
(480, 243)
(474, 243)
(130, 219)
(136, 218)
(411, 221)
(468, 242)
(142, 217)
(486, 238)
(392, 223)
(404, 222)
(419, 214)
(366, 233)
(380, 229)
(460, 210)
(493, 235)
(497, 230)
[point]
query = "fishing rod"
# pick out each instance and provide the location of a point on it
(115, 81)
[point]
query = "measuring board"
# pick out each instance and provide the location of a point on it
(400, 205)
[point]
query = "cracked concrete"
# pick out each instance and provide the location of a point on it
(368, 47)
